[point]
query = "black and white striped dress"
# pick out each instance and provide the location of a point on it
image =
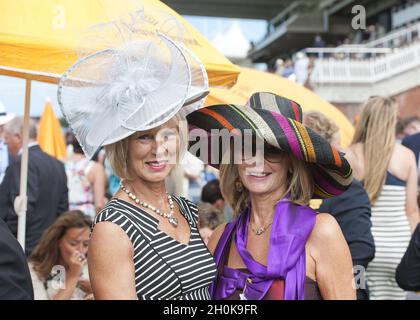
(391, 232)
(164, 268)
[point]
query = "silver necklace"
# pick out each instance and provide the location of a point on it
(259, 231)
(170, 216)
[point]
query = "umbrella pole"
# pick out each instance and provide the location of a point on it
(21, 200)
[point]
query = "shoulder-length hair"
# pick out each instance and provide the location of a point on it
(376, 129)
(300, 184)
(117, 153)
(47, 253)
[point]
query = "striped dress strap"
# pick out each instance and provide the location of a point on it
(188, 209)
(118, 217)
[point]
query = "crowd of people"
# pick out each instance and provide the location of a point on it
(379, 34)
(377, 215)
(297, 217)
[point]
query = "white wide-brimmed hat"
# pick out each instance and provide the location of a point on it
(5, 116)
(138, 85)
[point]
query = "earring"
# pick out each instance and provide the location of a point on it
(239, 187)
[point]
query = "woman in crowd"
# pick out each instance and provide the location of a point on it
(351, 209)
(389, 174)
(85, 181)
(145, 242)
(278, 247)
(58, 263)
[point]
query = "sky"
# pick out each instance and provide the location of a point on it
(12, 90)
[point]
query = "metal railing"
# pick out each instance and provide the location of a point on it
(395, 38)
(397, 52)
(347, 52)
(370, 70)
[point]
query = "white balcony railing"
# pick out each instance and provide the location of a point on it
(396, 38)
(381, 63)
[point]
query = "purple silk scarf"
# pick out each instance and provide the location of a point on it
(292, 226)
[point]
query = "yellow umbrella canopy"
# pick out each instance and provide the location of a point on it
(50, 135)
(250, 81)
(44, 36)
(39, 40)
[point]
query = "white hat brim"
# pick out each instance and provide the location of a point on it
(192, 103)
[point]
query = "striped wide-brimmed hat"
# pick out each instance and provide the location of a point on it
(278, 121)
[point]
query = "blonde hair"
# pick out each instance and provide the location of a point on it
(376, 130)
(321, 124)
(300, 184)
(117, 152)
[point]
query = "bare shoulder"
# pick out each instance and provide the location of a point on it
(333, 265)
(96, 172)
(326, 225)
(111, 265)
(350, 151)
(109, 238)
(403, 152)
(97, 167)
(215, 237)
(354, 155)
(355, 149)
(403, 161)
(325, 232)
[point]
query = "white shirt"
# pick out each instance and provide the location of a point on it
(30, 144)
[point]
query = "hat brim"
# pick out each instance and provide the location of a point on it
(193, 101)
(331, 172)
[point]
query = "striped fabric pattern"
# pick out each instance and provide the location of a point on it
(165, 269)
(391, 232)
(277, 120)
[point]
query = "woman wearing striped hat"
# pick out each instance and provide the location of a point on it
(277, 247)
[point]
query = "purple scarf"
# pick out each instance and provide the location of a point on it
(292, 226)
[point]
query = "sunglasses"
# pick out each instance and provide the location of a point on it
(250, 147)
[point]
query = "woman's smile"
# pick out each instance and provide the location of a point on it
(258, 175)
(156, 166)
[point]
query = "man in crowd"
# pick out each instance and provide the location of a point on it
(211, 194)
(413, 143)
(5, 117)
(47, 185)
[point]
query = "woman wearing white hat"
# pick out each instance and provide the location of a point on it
(145, 243)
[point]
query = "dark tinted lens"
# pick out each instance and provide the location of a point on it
(272, 154)
(250, 146)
